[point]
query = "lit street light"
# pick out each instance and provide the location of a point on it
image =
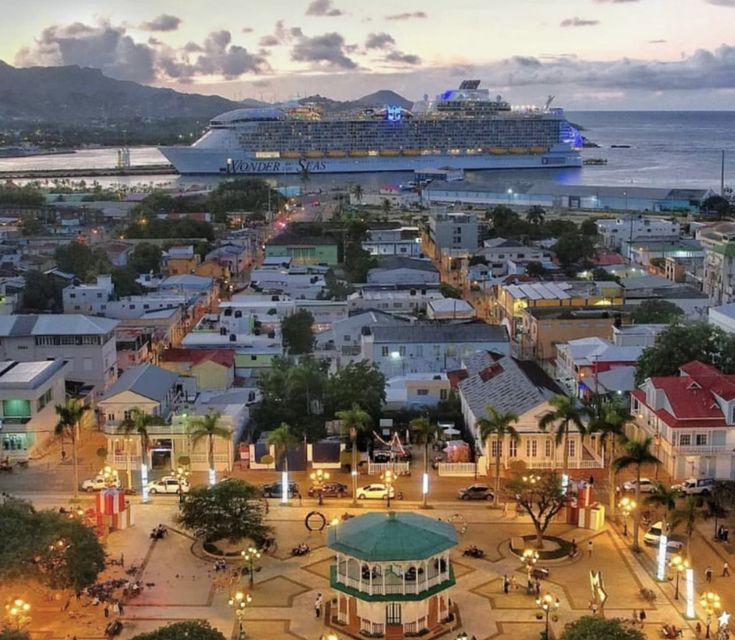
(388, 477)
(238, 602)
(18, 612)
(627, 506)
(318, 478)
(547, 602)
(710, 602)
(530, 558)
(678, 564)
(249, 556)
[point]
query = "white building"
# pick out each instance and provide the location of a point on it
(88, 298)
(86, 343)
(718, 281)
(459, 231)
(450, 309)
(614, 232)
(29, 392)
(397, 270)
(403, 300)
(723, 317)
(416, 391)
(403, 241)
(636, 335)
(498, 251)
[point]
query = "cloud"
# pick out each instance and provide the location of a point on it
(281, 35)
(326, 51)
(407, 15)
(102, 46)
(578, 22)
(659, 41)
(379, 41)
(269, 41)
(164, 22)
(322, 8)
(247, 29)
(722, 3)
(401, 58)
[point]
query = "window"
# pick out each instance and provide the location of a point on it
(72, 295)
(99, 296)
(685, 439)
(16, 408)
(111, 417)
(494, 449)
(451, 351)
(437, 350)
(77, 307)
(443, 394)
(531, 448)
(419, 351)
(572, 448)
(512, 449)
(701, 439)
(45, 399)
(346, 338)
(547, 448)
(126, 415)
(422, 392)
(384, 352)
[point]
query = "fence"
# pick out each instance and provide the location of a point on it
(398, 468)
(458, 469)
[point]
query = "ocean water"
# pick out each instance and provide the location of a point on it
(665, 149)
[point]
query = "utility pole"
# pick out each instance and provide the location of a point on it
(722, 175)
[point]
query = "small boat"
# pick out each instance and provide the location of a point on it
(336, 154)
(595, 161)
(314, 154)
(390, 153)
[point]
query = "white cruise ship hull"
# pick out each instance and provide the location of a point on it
(193, 160)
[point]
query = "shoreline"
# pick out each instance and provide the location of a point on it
(40, 174)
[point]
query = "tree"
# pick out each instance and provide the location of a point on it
(680, 343)
(298, 337)
(357, 192)
(81, 260)
(541, 497)
(535, 270)
(588, 227)
(691, 513)
(354, 421)
(448, 291)
(637, 453)
(716, 204)
(30, 225)
(596, 628)
(572, 248)
(14, 634)
(609, 421)
(137, 424)
(208, 427)
(666, 497)
(70, 415)
(281, 439)
(565, 413)
(47, 546)
(505, 220)
(190, 630)
(719, 501)
(426, 432)
(386, 206)
(41, 293)
(230, 510)
(145, 258)
(359, 383)
(357, 262)
(535, 215)
(499, 425)
(123, 278)
(657, 312)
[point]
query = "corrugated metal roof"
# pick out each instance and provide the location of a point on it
(146, 380)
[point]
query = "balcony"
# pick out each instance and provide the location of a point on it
(703, 450)
(390, 586)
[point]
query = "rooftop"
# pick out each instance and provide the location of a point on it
(400, 262)
(291, 239)
(376, 537)
(146, 380)
(562, 290)
(55, 324)
(225, 357)
(22, 375)
(442, 333)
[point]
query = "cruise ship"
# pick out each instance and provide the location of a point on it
(465, 128)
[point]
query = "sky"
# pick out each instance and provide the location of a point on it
(590, 54)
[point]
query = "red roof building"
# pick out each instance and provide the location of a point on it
(212, 368)
(691, 418)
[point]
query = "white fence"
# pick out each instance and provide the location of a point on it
(458, 469)
(398, 468)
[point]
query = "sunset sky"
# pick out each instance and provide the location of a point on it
(610, 54)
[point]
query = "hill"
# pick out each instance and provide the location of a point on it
(77, 95)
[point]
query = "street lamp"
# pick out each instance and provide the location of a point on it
(547, 602)
(388, 477)
(710, 602)
(238, 602)
(182, 477)
(249, 556)
(679, 564)
(530, 558)
(627, 506)
(319, 477)
(109, 477)
(18, 612)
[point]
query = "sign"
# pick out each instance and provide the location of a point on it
(273, 166)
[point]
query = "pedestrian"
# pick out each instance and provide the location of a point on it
(115, 608)
(122, 559)
(593, 607)
(721, 532)
(725, 569)
(708, 574)
(301, 499)
(63, 455)
(643, 617)
(121, 608)
(267, 508)
(726, 534)
(698, 629)
(537, 587)
(506, 584)
(107, 611)
(635, 617)
(589, 549)
(318, 605)
(592, 480)
(513, 583)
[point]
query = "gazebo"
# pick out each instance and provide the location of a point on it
(391, 573)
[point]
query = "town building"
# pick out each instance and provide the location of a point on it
(29, 391)
(403, 241)
(86, 343)
(134, 347)
(614, 232)
(723, 317)
(687, 297)
(416, 391)
(453, 231)
(293, 281)
(450, 309)
(236, 257)
(393, 299)
(88, 298)
(496, 253)
(180, 259)
(302, 249)
(392, 575)
(430, 347)
(691, 419)
(718, 278)
(399, 270)
(211, 368)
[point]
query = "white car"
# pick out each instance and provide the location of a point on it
(99, 483)
(653, 536)
(375, 492)
(646, 485)
(168, 484)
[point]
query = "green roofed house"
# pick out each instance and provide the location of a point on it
(303, 249)
(392, 574)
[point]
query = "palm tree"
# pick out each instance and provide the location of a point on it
(137, 423)
(304, 175)
(208, 427)
(637, 453)
(426, 432)
(281, 439)
(357, 192)
(666, 497)
(535, 215)
(387, 206)
(718, 501)
(499, 425)
(690, 514)
(70, 415)
(609, 421)
(566, 413)
(354, 420)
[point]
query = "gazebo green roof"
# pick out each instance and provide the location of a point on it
(379, 537)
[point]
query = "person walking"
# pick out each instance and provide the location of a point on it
(725, 569)
(318, 605)
(708, 574)
(506, 584)
(107, 611)
(589, 549)
(121, 609)
(643, 617)
(513, 583)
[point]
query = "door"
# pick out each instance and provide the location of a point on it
(393, 613)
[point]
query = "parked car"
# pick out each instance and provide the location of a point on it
(475, 492)
(330, 489)
(375, 492)
(647, 485)
(653, 536)
(275, 490)
(99, 483)
(696, 486)
(168, 484)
